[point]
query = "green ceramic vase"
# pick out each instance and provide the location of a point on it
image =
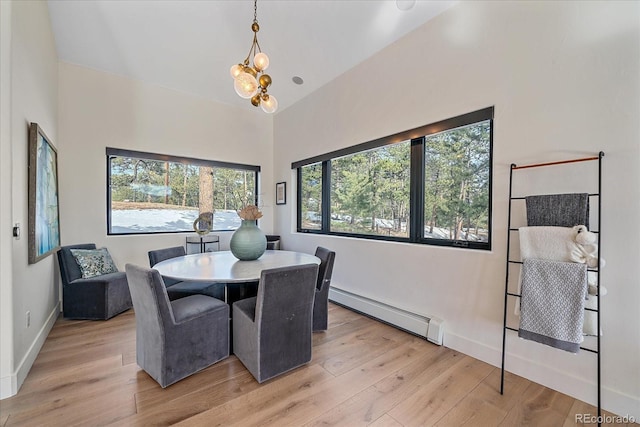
(248, 242)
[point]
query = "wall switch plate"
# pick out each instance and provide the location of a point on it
(16, 231)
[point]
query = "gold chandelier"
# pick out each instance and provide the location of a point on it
(250, 82)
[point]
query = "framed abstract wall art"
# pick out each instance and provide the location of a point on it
(281, 193)
(44, 215)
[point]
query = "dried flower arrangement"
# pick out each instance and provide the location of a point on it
(250, 213)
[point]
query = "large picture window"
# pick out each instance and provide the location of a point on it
(430, 185)
(152, 193)
(370, 191)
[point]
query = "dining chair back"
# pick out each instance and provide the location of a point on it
(321, 300)
(159, 255)
(272, 332)
(175, 339)
(177, 289)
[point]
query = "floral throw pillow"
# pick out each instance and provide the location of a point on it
(94, 262)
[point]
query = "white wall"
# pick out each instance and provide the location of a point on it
(99, 110)
(33, 95)
(564, 80)
(6, 218)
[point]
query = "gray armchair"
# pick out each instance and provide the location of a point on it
(320, 306)
(175, 339)
(95, 298)
(177, 289)
(272, 331)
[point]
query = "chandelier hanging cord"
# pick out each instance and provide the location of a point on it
(255, 27)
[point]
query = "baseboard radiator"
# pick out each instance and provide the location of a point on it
(431, 328)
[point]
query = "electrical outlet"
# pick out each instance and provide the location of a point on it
(28, 318)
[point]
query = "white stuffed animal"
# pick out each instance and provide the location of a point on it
(585, 249)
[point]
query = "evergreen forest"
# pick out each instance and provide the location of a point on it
(370, 190)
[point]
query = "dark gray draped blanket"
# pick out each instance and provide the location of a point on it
(561, 210)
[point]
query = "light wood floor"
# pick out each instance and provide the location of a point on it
(362, 373)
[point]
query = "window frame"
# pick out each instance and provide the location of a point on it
(120, 152)
(417, 137)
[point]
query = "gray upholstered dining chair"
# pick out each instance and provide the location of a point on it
(175, 339)
(178, 289)
(272, 331)
(320, 306)
(99, 297)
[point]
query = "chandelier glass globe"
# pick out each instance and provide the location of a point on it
(270, 104)
(235, 70)
(261, 61)
(245, 85)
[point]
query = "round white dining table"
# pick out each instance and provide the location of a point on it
(223, 267)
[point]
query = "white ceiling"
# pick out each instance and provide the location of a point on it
(189, 46)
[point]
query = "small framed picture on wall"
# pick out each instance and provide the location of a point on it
(281, 193)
